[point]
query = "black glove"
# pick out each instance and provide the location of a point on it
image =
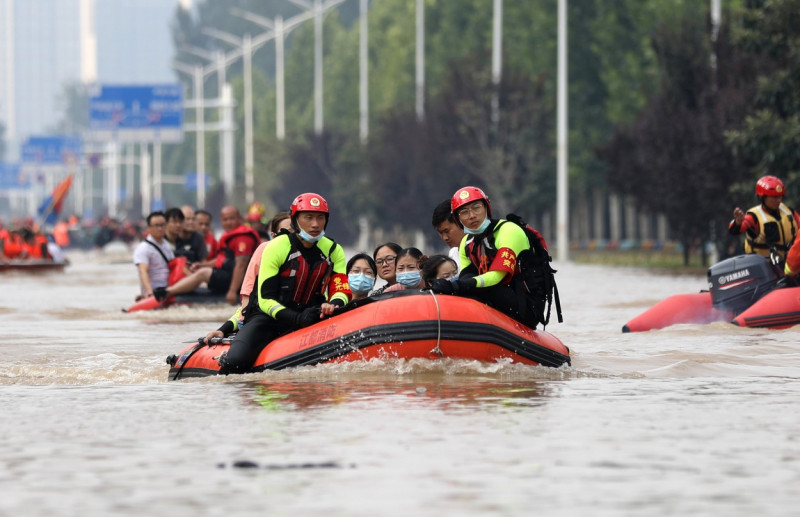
(441, 285)
(227, 328)
(160, 293)
(299, 319)
(308, 316)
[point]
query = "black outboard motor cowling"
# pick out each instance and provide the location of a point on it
(738, 282)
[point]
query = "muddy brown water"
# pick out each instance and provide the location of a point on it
(690, 420)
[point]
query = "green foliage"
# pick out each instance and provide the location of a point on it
(673, 158)
(768, 139)
(632, 65)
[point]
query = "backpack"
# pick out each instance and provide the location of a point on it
(537, 289)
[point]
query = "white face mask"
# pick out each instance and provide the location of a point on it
(308, 238)
(480, 229)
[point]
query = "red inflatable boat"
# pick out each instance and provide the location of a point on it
(405, 324)
(747, 290)
(200, 295)
(177, 271)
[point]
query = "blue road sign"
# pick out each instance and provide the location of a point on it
(52, 150)
(152, 113)
(10, 177)
(191, 181)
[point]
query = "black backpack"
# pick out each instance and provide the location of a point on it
(537, 286)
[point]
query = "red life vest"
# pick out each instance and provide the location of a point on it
(302, 281)
(12, 245)
(226, 257)
(37, 249)
(211, 244)
(484, 256)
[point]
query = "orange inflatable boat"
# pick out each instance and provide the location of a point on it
(404, 324)
(177, 271)
(746, 290)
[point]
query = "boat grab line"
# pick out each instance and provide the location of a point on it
(436, 350)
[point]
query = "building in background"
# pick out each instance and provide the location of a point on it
(46, 45)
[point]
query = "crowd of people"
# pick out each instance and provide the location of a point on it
(24, 241)
(287, 273)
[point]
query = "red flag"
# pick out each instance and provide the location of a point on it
(51, 208)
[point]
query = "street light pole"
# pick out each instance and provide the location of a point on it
(420, 60)
(200, 137)
(196, 72)
(280, 30)
(246, 44)
(363, 73)
(562, 222)
(247, 49)
(318, 8)
(497, 58)
(226, 158)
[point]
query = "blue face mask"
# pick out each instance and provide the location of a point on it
(360, 283)
(308, 238)
(454, 278)
(409, 278)
(480, 229)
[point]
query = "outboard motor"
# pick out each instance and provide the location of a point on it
(738, 282)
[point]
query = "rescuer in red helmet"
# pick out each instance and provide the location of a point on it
(488, 256)
(302, 279)
(769, 225)
(257, 220)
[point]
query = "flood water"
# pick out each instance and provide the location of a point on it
(690, 420)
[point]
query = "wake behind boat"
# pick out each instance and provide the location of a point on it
(746, 290)
(406, 324)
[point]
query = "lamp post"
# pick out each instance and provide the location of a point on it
(317, 8)
(562, 221)
(363, 72)
(497, 58)
(280, 29)
(247, 46)
(420, 60)
(226, 158)
(223, 61)
(196, 72)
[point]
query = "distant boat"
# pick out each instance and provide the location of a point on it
(32, 265)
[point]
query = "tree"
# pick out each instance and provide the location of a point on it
(768, 139)
(673, 158)
(458, 144)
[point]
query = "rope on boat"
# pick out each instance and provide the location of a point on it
(436, 350)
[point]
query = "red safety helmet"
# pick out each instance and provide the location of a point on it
(467, 195)
(256, 212)
(770, 186)
(309, 202)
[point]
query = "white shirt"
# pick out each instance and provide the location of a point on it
(453, 254)
(56, 252)
(157, 269)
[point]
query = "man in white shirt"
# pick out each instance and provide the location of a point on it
(152, 255)
(446, 227)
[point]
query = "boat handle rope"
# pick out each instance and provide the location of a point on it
(436, 350)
